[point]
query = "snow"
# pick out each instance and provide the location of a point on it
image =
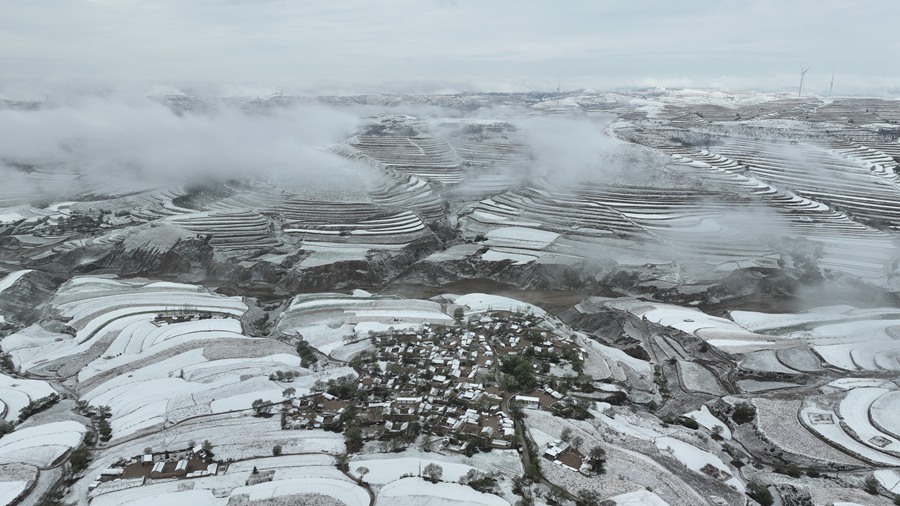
(737, 345)
(854, 409)
(342, 490)
(638, 365)
(768, 321)
(401, 314)
(6, 218)
(638, 498)
(386, 470)
(495, 255)
(17, 393)
(859, 344)
(694, 458)
(41, 445)
(363, 328)
(10, 490)
(835, 434)
(481, 302)
(11, 278)
(418, 492)
(889, 479)
(697, 378)
(850, 383)
(183, 498)
(688, 320)
(708, 420)
(155, 393)
(521, 237)
(884, 412)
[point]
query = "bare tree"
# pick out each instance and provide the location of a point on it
(433, 472)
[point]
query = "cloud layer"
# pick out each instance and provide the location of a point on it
(240, 47)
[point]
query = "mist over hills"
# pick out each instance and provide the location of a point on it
(704, 279)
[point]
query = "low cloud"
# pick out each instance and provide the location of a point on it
(147, 143)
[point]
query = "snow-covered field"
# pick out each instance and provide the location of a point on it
(695, 459)
(11, 279)
(41, 445)
(16, 393)
(329, 322)
(697, 378)
(825, 424)
(418, 492)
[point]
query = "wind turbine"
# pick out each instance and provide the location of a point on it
(802, 75)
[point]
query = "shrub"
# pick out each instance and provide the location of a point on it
(79, 460)
(871, 485)
(760, 493)
(743, 412)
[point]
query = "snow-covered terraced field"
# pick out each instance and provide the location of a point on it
(298, 479)
(417, 492)
(855, 410)
(787, 212)
(400, 227)
(869, 345)
(41, 445)
(825, 424)
(16, 393)
(116, 317)
(719, 332)
(778, 422)
(149, 371)
(424, 156)
(883, 413)
(230, 230)
(327, 321)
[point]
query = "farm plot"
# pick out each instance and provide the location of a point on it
(629, 470)
(300, 479)
(696, 459)
(855, 411)
(418, 492)
(778, 422)
(115, 318)
(888, 479)
(230, 230)
(188, 385)
(708, 420)
(720, 332)
(697, 378)
(16, 393)
(825, 424)
(41, 445)
(859, 345)
(422, 155)
(11, 279)
(884, 413)
(14, 480)
(329, 321)
(801, 213)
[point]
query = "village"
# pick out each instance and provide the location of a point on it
(457, 388)
(461, 387)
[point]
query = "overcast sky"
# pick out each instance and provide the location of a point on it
(240, 47)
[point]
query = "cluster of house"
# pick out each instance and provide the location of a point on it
(437, 379)
(180, 316)
(188, 463)
(563, 454)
